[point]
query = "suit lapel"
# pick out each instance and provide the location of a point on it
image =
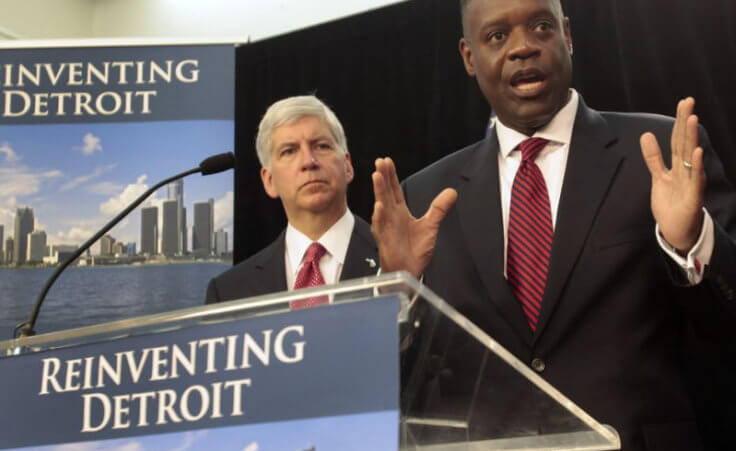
(591, 167)
(271, 268)
(361, 252)
(479, 210)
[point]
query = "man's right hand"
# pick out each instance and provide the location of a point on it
(404, 242)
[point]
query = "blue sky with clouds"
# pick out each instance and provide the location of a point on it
(78, 176)
(364, 431)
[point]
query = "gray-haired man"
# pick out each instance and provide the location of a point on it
(304, 162)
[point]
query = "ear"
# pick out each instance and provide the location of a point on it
(568, 35)
(268, 185)
(349, 171)
(466, 53)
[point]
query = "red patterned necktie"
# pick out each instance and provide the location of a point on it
(530, 232)
(310, 276)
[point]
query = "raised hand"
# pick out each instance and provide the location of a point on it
(677, 193)
(404, 242)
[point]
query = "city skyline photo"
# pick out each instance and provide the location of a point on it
(76, 177)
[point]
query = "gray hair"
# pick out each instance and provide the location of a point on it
(290, 110)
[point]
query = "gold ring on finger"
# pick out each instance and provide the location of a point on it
(687, 165)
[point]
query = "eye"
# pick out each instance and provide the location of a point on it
(495, 36)
(286, 151)
(543, 26)
(324, 146)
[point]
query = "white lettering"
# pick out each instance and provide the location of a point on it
(87, 412)
(204, 404)
(193, 75)
(237, 395)
(166, 400)
(157, 363)
(121, 411)
(298, 346)
(71, 374)
(210, 343)
(47, 376)
(8, 111)
(178, 357)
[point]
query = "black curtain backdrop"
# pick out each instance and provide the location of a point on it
(395, 79)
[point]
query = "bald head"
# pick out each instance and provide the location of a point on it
(464, 4)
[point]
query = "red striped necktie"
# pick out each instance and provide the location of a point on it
(530, 232)
(310, 276)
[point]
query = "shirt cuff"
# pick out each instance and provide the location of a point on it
(693, 265)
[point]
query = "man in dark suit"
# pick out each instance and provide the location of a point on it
(304, 162)
(597, 287)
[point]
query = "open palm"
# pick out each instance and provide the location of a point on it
(678, 192)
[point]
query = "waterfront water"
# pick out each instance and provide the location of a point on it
(92, 295)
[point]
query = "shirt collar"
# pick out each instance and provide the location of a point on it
(335, 240)
(558, 130)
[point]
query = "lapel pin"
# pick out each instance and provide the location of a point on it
(371, 262)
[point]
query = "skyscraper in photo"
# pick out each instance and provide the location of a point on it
(149, 230)
(106, 245)
(220, 242)
(170, 228)
(2, 250)
(36, 246)
(24, 224)
(184, 230)
(203, 229)
(176, 192)
(119, 248)
(9, 250)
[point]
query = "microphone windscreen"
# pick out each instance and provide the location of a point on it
(217, 163)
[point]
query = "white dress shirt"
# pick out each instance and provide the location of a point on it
(552, 161)
(335, 241)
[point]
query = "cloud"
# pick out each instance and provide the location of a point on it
(7, 219)
(190, 439)
(87, 177)
(252, 447)
(91, 144)
(82, 446)
(101, 445)
(116, 204)
(224, 211)
(104, 188)
(130, 446)
(19, 182)
(38, 225)
(10, 155)
(22, 182)
(75, 235)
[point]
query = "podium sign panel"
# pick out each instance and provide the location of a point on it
(386, 365)
(287, 380)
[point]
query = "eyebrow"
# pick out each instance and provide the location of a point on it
(311, 141)
(504, 22)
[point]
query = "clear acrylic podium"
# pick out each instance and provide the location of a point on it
(459, 389)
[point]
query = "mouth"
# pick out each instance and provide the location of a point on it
(527, 83)
(312, 183)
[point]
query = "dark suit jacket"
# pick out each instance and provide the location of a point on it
(614, 314)
(265, 272)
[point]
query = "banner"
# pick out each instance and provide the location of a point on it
(83, 131)
(323, 378)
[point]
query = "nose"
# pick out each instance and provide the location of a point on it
(307, 157)
(522, 45)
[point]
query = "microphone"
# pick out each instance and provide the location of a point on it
(211, 165)
(217, 163)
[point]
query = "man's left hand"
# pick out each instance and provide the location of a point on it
(678, 192)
